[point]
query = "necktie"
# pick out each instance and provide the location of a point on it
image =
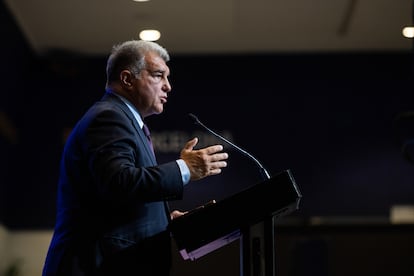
(148, 134)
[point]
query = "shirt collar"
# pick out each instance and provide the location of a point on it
(134, 111)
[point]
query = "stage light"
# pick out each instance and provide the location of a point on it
(150, 35)
(408, 32)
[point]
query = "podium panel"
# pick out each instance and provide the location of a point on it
(212, 226)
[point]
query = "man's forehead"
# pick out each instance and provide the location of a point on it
(154, 61)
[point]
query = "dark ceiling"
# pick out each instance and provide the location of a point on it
(217, 26)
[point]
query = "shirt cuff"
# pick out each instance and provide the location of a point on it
(185, 171)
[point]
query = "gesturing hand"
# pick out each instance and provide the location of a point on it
(203, 162)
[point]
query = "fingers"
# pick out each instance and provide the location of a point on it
(218, 157)
(216, 167)
(212, 158)
(175, 214)
(213, 149)
(214, 171)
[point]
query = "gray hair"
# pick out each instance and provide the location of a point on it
(130, 55)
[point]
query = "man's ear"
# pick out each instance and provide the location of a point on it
(126, 78)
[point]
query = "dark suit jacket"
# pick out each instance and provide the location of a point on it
(111, 197)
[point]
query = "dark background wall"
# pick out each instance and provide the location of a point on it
(331, 118)
(338, 121)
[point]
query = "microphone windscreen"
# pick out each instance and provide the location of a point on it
(194, 118)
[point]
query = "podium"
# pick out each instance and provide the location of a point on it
(248, 215)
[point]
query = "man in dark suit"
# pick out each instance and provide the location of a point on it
(112, 212)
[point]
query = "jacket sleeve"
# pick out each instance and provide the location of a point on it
(119, 162)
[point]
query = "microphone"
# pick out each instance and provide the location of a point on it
(263, 171)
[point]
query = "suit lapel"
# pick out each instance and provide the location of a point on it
(143, 139)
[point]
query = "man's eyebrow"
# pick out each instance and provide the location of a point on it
(157, 70)
(162, 71)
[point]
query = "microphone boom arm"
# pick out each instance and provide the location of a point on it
(263, 171)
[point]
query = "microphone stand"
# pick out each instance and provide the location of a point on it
(257, 243)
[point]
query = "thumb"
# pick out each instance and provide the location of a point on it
(191, 144)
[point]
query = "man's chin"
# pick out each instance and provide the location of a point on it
(160, 109)
(157, 111)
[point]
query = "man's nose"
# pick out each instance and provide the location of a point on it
(167, 86)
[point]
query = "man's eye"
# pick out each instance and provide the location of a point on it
(157, 75)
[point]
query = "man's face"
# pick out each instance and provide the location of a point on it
(152, 86)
